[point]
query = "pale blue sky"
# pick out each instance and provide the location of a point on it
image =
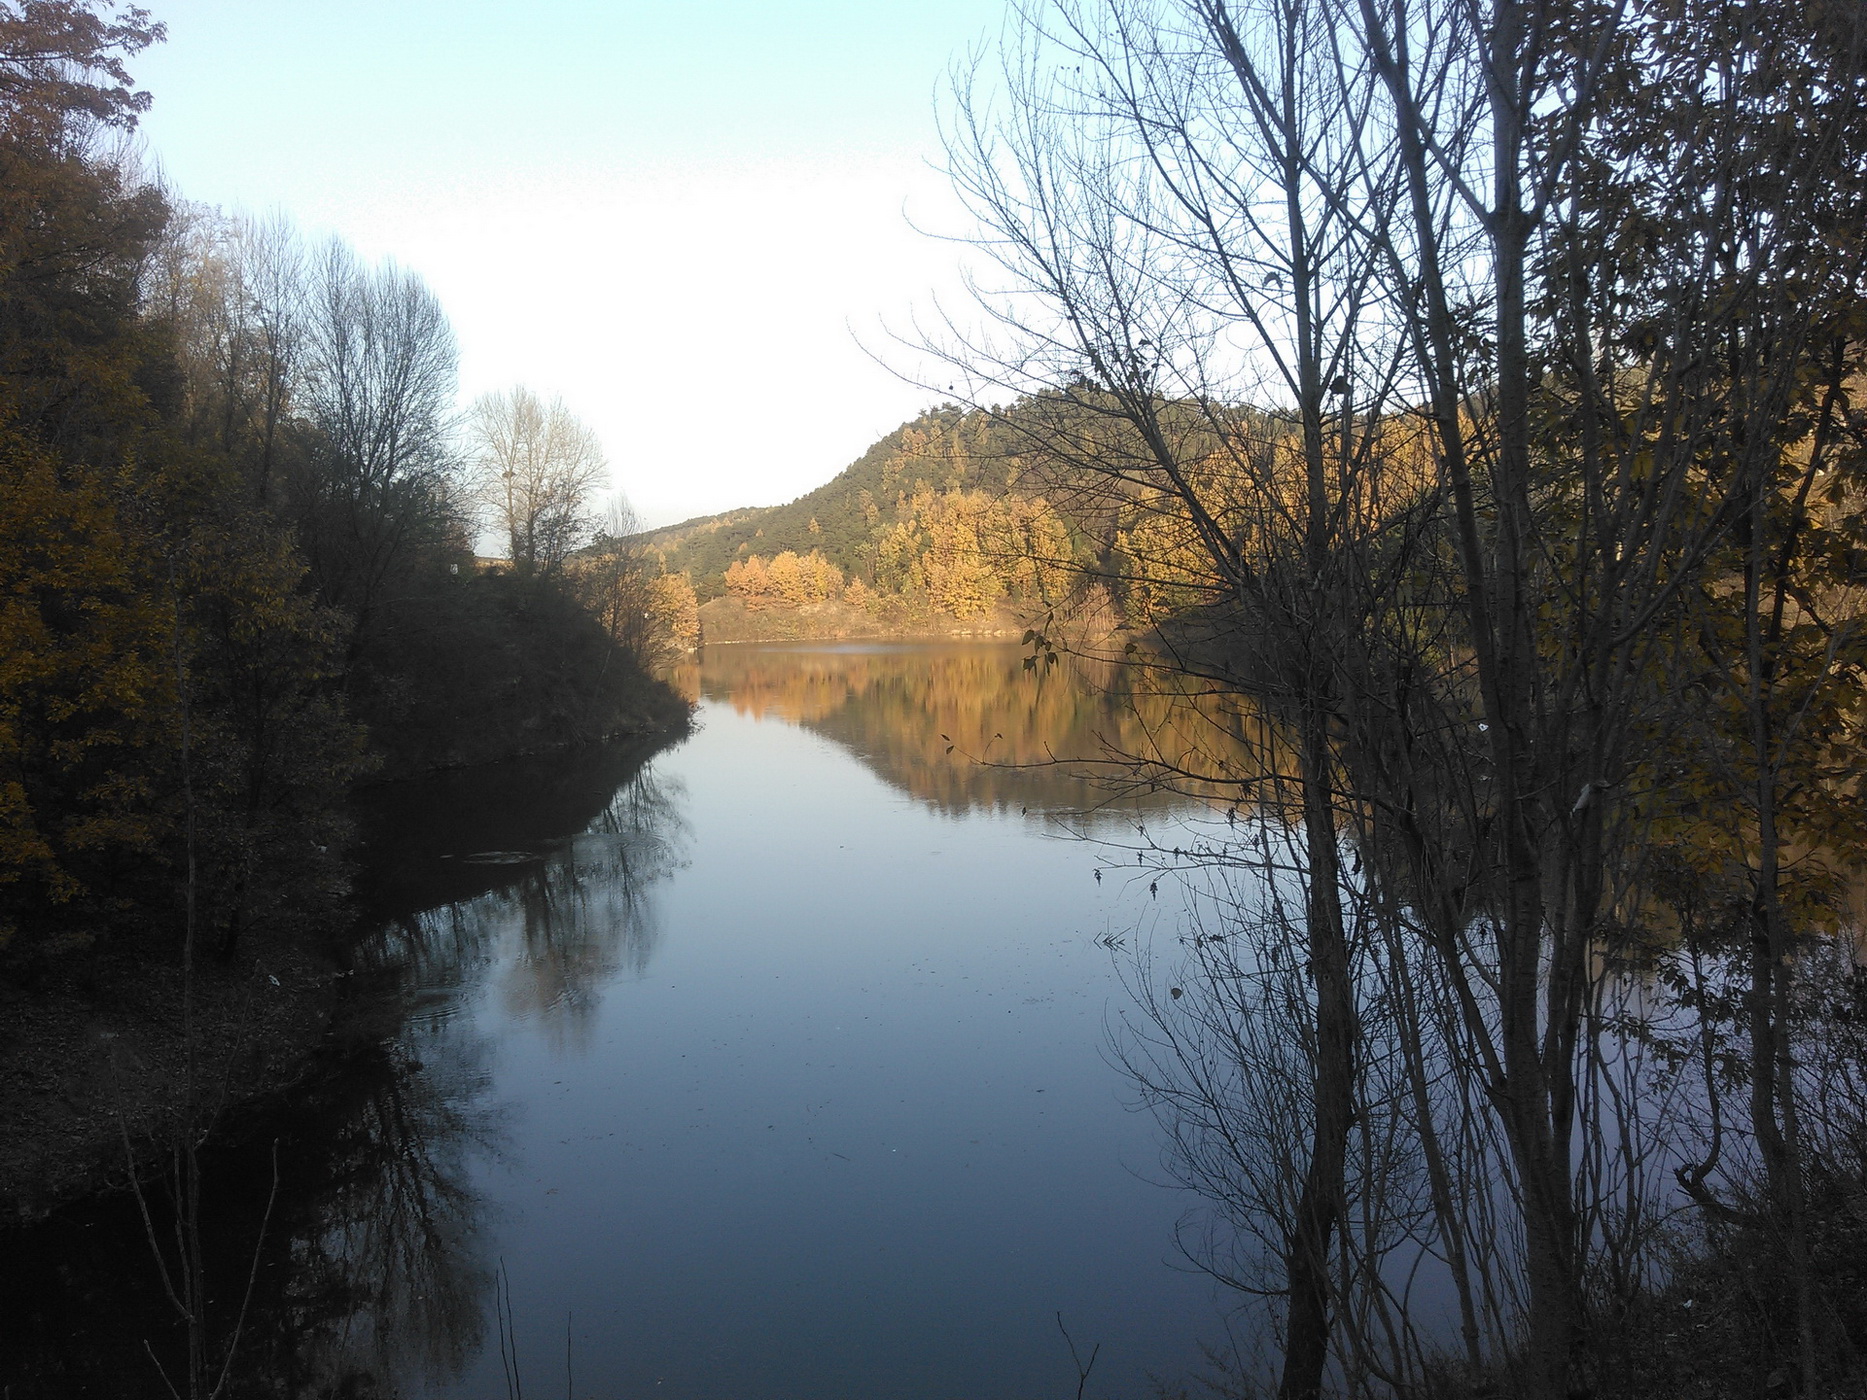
(670, 214)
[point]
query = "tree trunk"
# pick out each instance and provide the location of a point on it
(1319, 1208)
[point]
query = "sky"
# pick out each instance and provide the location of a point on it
(696, 223)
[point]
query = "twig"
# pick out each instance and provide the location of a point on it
(252, 1276)
(508, 1337)
(1082, 1370)
(160, 1371)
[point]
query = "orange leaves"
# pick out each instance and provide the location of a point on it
(675, 611)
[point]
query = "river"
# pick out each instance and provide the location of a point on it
(773, 1064)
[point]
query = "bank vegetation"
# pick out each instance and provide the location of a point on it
(1473, 391)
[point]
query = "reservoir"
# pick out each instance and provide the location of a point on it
(773, 1065)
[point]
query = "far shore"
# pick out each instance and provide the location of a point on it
(729, 620)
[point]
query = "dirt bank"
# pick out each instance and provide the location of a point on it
(94, 1057)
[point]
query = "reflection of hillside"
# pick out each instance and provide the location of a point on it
(416, 831)
(966, 726)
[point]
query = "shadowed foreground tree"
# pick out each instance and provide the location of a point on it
(135, 572)
(1448, 367)
(376, 494)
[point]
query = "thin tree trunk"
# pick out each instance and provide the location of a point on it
(1319, 1208)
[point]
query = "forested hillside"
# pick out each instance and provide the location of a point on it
(945, 516)
(1047, 507)
(942, 450)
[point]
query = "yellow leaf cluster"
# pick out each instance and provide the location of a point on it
(788, 580)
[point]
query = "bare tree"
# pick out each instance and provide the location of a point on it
(233, 290)
(269, 290)
(535, 469)
(1465, 589)
(1175, 193)
(378, 395)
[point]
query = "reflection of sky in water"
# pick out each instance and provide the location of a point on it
(806, 1082)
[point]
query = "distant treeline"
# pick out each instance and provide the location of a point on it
(236, 553)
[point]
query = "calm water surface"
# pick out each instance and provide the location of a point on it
(830, 1114)
(774, 1066)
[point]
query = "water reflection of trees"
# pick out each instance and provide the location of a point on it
(386, 1285)
(1428, 1266)
(585, 914)
(573, 913)
(366, 1278)
(968, 727)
